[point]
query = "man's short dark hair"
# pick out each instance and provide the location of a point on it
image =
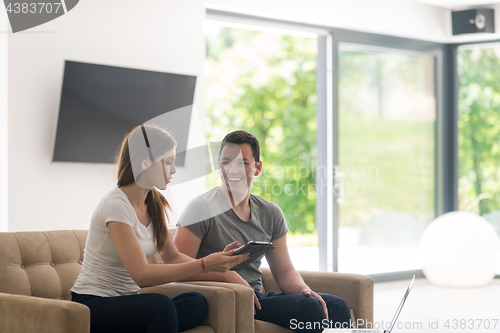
(239, 137)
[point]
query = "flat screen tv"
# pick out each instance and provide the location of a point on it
(100, 104)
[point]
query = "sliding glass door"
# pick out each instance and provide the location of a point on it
(479, 132)
(385, 177)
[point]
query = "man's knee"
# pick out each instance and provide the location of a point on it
(337, 306)
(335, 301)
(311, 308)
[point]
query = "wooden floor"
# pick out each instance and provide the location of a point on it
(436, 309)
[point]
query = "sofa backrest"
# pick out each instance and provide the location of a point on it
(41, 263)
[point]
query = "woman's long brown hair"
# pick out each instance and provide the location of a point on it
(157, 204)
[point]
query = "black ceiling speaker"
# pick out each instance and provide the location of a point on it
(473, 21)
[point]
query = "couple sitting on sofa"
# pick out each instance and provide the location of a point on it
(129, 225)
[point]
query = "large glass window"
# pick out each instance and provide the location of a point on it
(264, 82)
(386, 174)
(479, 132)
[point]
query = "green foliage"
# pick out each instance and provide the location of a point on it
(479, 129)
(265, 84)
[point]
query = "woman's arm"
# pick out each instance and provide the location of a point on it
(145, 274)
(171, 255)
(187, 243)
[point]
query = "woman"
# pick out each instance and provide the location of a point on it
(129, 226)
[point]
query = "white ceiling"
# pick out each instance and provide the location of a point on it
(456, 3)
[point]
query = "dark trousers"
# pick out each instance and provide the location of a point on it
(303, 313)
(144, 312)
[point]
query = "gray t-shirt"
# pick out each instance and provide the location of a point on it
(211, 218)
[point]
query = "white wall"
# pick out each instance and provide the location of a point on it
(390, 17)
(4, 214)
(402, 18)
(155, 35)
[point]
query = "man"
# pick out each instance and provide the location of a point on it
(230, 213)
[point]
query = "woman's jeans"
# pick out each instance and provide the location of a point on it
(144, 312)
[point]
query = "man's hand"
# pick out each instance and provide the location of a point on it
(309, 292)
(233, 277)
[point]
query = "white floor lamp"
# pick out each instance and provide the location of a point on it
(459, 250)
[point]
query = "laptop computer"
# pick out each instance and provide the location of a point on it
(393, 322)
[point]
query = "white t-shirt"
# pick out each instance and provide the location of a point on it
(103, 273)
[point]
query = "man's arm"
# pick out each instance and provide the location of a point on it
(288, 279)
(144, 274)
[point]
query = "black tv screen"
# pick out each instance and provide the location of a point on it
(100, 104)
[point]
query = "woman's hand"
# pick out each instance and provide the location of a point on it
(222, 261)
(232, 246)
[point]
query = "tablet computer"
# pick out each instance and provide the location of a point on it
(256, 249)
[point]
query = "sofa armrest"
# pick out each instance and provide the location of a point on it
(243, 303)
(221, 303)
(19, 313)
(355, 289)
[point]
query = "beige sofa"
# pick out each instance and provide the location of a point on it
(37, 269)
(46, 264)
